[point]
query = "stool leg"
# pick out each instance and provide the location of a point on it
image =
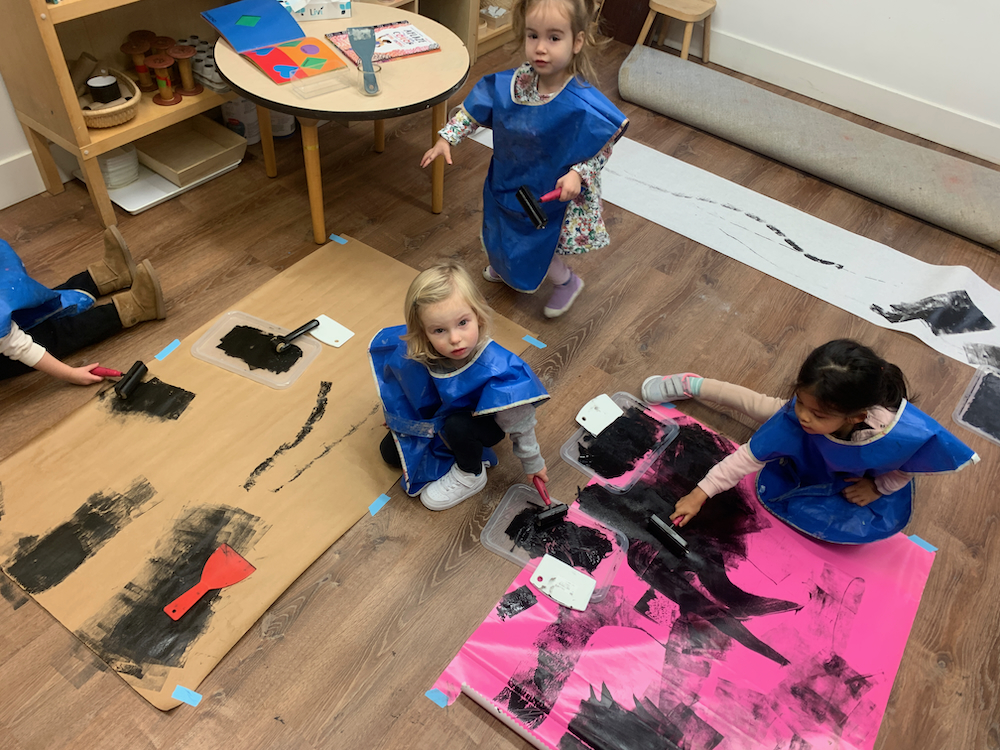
(686, 47)
(645, 27)
(661, 34)
(706, 39)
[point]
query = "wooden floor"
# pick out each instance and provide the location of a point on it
(343, 658)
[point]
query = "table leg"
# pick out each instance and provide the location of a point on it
(379, 136)
(314, 179)
(438, 113)
(267, 141)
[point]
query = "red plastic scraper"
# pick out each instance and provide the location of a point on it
(224, 568)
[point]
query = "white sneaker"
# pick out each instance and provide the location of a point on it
(453, 488)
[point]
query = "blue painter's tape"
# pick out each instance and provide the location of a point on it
(437, 696)
(925, 544)
(534, 342)
(338, 238)
(187, 696)
(167, 349)
(377, 505)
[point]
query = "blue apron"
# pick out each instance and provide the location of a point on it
(534, 145)
(416, 401)
(26, 302)
(805, 474)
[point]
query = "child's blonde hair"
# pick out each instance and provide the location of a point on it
(582, 16)
(434, 285)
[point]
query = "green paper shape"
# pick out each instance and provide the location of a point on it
(312, 62)
(250, 21)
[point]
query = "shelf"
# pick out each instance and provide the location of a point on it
(67, 10)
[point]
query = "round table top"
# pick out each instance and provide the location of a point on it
(407, 84)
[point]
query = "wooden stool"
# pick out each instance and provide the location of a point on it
(689, 11)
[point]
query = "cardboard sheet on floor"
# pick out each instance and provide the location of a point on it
(758, 637)
(110, 515)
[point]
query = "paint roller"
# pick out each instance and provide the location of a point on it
(533, 206)
(130, 380)
(663, 531)
(285, 341)
(553, 513)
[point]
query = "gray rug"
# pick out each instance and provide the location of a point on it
(954, 194)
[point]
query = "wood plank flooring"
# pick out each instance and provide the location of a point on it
(343, 658)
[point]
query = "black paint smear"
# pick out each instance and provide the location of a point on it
(12, 593)
(983, 409)
(602, 724)
(515, 603)
(952, 312)
(256, 348)
(317, 414)
(43, 562)
(826, 694)
(578, 546)
(132, 633)
(154, 398)
(983, 354)
(1, 501)
(621, 444)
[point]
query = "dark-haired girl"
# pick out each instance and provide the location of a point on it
(837, 460)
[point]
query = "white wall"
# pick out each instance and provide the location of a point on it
(928, 67)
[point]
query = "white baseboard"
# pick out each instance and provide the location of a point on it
(902, 111)
(19, 180)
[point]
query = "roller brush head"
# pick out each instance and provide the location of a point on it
(551, 516)
(663, 531)
(131, 380)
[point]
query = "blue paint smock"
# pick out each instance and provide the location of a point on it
(26, 302)
(805, 474)
(416, 401)
(534, 145)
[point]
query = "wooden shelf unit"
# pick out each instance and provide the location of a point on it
(37, 39)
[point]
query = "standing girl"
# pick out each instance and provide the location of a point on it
(449, 392)
(551, 130)
(835, 462)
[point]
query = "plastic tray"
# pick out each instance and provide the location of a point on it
(982, 399)
(570, 451)
(587, 537)
(207, 349)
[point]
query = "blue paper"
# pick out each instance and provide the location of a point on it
(185, 695)
(251, 24)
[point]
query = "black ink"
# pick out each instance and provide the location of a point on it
(621, 444)
(983, 409)
(256, 348)
(579, 546)
(12, 593)
(515, 603)
(1, 501)
(43, 562)
(314, 416)
(154, 398)
(983, 354)
(602, 724)
(952, 312)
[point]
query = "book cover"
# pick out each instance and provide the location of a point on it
(299, 58)
(252, 24)
(392, 41)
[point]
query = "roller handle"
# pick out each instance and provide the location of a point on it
(551, 196)
(542, 490)
(288, 338)
(106, 372)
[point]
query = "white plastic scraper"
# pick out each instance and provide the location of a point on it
(563, 584)
(598, 413)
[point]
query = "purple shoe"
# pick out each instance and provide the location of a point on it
(563, 297)
(490, 275)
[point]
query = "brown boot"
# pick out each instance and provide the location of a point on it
(117, 269)
(144, 301)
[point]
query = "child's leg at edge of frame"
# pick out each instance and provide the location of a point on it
(466, 436)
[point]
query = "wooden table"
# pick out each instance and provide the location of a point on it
(407, 85)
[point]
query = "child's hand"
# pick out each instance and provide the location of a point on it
(570, 184)
(83, 375)
(441, 148)
(543, 475)
(688, 506)
(862, 491)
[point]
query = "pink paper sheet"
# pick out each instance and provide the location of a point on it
(777, 641)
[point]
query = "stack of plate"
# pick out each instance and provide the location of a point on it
(120, 166)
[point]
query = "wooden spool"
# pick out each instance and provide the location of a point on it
(183, 53)
(166, 95)
(161, 44)
(142, 35)
(137, 51)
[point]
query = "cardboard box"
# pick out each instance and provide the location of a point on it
(190, 150)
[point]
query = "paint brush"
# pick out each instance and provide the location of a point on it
(533, 206)
(285, 341)
(131, 380)
(553, 513)
(664, 531)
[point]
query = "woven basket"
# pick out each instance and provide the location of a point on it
(108, 118)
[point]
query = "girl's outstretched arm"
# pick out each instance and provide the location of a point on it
(689, 505)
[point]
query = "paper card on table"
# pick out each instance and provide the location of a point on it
(598, 413)
(331, 332)
(252, 24)
(563, 584)
(296, 59)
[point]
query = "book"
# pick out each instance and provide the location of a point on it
(296, 59)
(392, 41)
(252, 24)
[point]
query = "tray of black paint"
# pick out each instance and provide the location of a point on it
(578, 540)
(625, 449)
(979, 408)
(243, 344)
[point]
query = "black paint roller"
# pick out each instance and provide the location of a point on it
(130, 380)
(533, 206)
(554, 513)
(663, 531)
(285, 341)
